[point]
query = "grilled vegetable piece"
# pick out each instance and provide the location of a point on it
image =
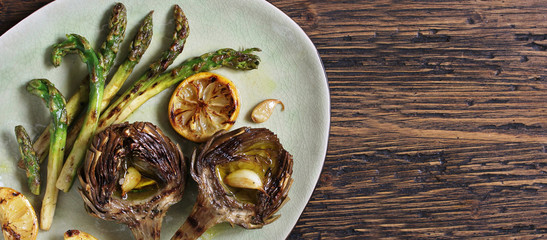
(179, 39)
(108, 51)
(58, 130)
(32, 164)
(80, 45)
(141, 146)
(117, 25)
(224, 197)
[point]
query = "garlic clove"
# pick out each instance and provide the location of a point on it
(244, 178)
(264, 110)
(131, 179)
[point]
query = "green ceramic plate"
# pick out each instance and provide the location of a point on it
(290, 70)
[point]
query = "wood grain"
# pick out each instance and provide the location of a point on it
(438, 117)
(12, 12)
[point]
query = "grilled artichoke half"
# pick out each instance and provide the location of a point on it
(132, 174)
(243, 177)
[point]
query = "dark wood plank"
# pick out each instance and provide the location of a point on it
(438, 117)
(12, 11)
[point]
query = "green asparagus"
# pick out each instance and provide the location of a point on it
(78, 44)
(179, 39)
(109, 49)
(32, 165)
(146, 88)
(111, 45)
(58, 130)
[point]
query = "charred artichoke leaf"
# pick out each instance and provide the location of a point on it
(246, 156)
(112, 159)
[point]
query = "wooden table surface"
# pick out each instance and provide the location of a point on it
(439, 117)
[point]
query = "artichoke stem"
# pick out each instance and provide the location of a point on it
(147, 229)
(203, 217)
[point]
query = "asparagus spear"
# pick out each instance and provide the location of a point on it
(146, 88)
(109, 49)
(79, 44)
(32, 165)
(56, 103)
(179, 39)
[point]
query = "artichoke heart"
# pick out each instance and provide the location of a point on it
(132, 174)
(243, 177)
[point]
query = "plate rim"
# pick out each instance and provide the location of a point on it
(329, 110)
